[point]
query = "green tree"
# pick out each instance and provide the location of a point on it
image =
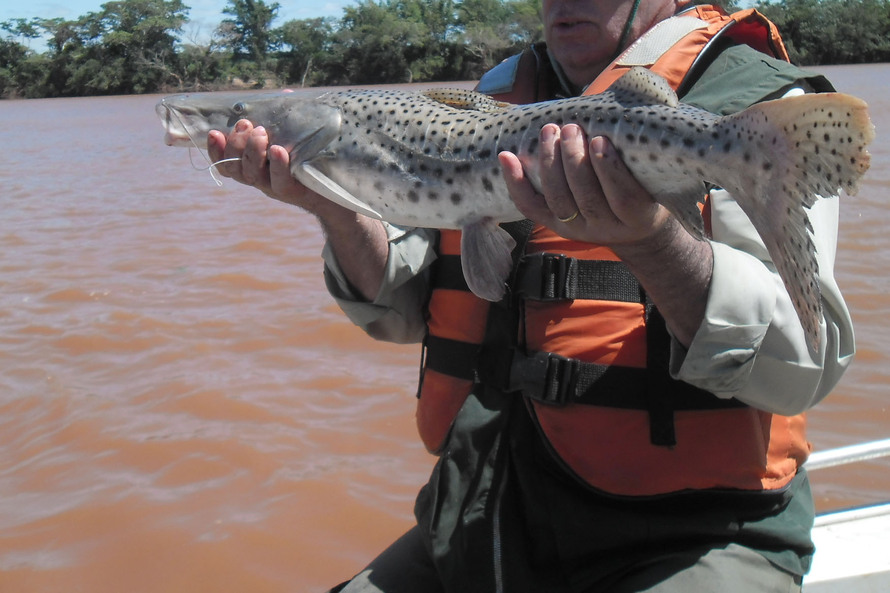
(248, 34)
(370, 45)
(12, 55)
(305, 46)
(833, 31)
(494, 29)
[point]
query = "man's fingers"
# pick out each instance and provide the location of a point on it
(524, 196)
(631, 202)
(253, 160)
(582, 180)
(554, 185)
(279, 169)
(216, 145)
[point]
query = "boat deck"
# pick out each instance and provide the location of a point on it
(852, 555)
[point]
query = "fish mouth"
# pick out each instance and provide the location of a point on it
(176, 132)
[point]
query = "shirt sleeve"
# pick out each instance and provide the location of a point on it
(396, 313)
(751, 345)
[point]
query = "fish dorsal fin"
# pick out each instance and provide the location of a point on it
(643, 87)
(471, 100)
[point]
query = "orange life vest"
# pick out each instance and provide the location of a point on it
(591, 352)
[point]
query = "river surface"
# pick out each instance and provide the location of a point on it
(183, 407)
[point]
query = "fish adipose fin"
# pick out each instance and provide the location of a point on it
(485, 256)
(461, 99)
(799, 148)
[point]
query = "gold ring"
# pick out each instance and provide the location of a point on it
(570, 218)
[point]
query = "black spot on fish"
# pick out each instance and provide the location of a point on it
(456, 198)
(413, 196)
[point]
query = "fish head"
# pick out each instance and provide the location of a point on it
(289, 117)
(188, 118)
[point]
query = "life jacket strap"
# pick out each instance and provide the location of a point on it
(554, 277)
(555, 380)
(451, 357)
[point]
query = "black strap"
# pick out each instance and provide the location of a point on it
(451, 357)
(449, 274)
(549, 277)
(556, 380)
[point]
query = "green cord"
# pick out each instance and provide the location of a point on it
(627, 27)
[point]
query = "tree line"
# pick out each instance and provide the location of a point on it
(141, 46)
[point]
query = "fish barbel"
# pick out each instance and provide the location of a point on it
(429, 159)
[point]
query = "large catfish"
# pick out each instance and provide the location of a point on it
(429, 159)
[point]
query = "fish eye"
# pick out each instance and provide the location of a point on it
(239, 108)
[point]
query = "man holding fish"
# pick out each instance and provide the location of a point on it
(629, 416)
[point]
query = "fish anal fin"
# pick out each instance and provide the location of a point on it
(486, 258)
(640, 86)
(463, 99)
(794, 255)
(685, 208)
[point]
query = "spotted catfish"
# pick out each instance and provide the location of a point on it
(429, 159)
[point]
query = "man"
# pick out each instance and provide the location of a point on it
(660, 447)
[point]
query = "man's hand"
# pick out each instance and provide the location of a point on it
(359, 243)
(588, 194)
(266, 167)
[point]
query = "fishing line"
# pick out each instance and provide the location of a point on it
(211, 166)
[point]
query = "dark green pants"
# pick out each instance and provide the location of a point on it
(499, 514)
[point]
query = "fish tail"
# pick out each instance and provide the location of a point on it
(796, 150)
(826, 137)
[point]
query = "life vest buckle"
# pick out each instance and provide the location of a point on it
(548, 277)
(545, 377)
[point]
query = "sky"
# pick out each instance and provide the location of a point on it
(204, 15)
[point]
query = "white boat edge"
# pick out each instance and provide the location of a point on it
(852, 545)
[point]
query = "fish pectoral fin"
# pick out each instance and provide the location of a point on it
(486, 258)
(471, 100)
(323, 185)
